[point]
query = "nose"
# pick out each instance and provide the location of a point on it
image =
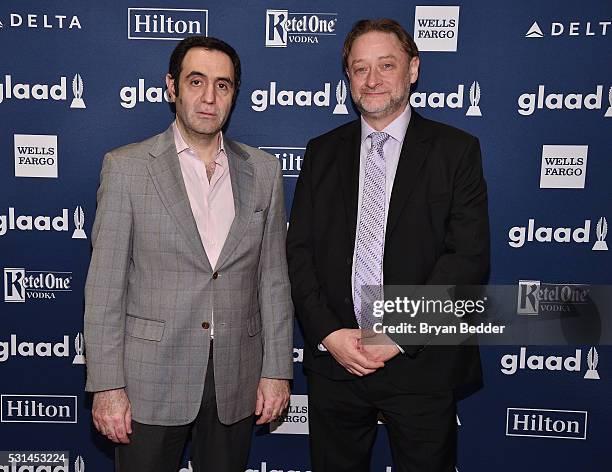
(373, 79)
(208, 93)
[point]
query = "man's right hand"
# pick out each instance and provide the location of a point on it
(112, 415)
(345, 345)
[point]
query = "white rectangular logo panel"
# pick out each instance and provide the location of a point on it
(436, 28)
(296, 419)
(563, 166)
(35, 155)
(38, 409)
(166, 24)
(558, 424)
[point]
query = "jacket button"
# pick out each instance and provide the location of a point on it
(216, 275)
(347, 300)
(349, 261)
(205, 325)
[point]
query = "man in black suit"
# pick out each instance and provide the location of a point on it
(391, 198)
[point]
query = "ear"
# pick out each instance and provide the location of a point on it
(413, 69)
(170, 86)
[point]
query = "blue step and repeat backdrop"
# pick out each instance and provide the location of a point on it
(531, 79)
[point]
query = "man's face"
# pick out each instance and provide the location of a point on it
(380, 75)
(206, 91)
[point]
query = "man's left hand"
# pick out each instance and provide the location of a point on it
(378, 347)
(272, 399)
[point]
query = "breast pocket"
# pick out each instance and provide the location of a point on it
(144, 328)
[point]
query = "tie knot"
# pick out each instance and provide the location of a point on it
(379, 138)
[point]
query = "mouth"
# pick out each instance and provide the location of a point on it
(206, 114)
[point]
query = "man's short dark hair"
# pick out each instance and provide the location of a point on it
(383, 25)
(206, 42)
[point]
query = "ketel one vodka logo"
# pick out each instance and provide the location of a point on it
(21, 285)
(449, 99)
(518, 236)
(528, 102)
(512, 363)
(262, 99)
(536, 298)
(14, 221)
(284, 27)
(10, 90)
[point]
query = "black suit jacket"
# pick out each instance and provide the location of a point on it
(437, 233)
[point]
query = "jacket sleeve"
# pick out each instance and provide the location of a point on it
(311, 307)
(106, 285)
(274, 291)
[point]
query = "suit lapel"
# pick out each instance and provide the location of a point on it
(348, 169)
(243, 182)
(414, 151)
(167, 177)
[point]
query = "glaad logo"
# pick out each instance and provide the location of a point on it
(79, 464)
(169, 24)
(21, 285)
(295, 420)
(284, 27)
(573, 28)
(57, 92)
(563, 166)
(262, 99)
(35, 155)
(511, 363)
(528, 103)
(38, 409)
(33, 20)
(450, 100)
(14, 348)
(436, 28)
(79, 348)
(559, 424)
(130, 96)
(13, 222)
(291, 159)
(519, 235)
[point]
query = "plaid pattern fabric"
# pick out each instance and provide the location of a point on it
(150, 286)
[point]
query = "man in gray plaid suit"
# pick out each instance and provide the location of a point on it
(189, 247)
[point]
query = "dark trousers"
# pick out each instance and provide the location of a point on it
(214, 446)
(343, 423)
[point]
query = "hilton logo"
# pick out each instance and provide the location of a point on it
(170, 24)
(39, 409)
(559, 424)
(290, 157)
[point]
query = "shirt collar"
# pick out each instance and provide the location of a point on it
(396, 129)
(181, 144)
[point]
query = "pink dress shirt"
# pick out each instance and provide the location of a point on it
(212, 203)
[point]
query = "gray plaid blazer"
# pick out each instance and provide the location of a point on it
(150, 286)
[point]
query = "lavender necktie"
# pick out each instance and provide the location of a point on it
(370, 241)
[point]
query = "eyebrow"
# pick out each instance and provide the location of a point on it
(198, 73)
(389, 56)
